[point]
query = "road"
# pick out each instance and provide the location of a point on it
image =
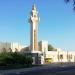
(52, 69)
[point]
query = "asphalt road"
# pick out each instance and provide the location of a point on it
(52, 69)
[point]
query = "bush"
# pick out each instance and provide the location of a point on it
(9, 59)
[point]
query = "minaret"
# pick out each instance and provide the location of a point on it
(34, 29)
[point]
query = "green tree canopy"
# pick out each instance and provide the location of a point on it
(50, 47)
(11, 58)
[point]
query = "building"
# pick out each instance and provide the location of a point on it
(59, 56)
(43, 45)
(7, 46)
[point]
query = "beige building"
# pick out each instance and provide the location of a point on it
(43, 45)
(6, 46)
(55, 56)
(60, 56)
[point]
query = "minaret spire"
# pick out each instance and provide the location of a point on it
(34, 7)
(34, 19)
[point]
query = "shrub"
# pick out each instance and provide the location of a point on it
(8, 59)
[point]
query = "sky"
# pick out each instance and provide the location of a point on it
(57, 22)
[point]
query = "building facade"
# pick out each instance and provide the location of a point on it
(62, 56)
(55, 56)
(6, 46)
(43, 45)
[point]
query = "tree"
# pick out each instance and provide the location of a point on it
(14, 59)
(50, 47)
(67, 1)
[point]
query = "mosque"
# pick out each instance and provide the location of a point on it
(39, 50)
(42, 48)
